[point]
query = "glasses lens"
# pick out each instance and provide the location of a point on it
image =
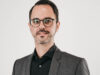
(35, 22)
(48, 22)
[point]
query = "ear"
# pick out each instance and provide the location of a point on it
(57, 27)
(30, 26)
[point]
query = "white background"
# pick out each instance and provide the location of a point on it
(79, 32)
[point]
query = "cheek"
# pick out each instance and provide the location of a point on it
(53, 30)
(33, 30)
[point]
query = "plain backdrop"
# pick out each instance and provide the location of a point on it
(79, 32)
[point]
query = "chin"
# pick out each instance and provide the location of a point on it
(44, 41)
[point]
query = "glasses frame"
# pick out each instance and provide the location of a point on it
(42, 21)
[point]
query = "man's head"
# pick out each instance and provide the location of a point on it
(46, 2)
(43, 21)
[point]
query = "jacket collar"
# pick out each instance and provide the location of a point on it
(54, 64)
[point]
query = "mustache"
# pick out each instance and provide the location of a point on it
(42, 30)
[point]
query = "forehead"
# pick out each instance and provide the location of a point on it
(42, 11)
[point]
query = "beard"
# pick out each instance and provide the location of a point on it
(43, 37)
(44, 40)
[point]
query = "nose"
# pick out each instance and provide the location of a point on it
(41, 25)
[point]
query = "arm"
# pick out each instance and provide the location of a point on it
(13, 73)
(82, 68)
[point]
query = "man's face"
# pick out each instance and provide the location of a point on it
(43, 34)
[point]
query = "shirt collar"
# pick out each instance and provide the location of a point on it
(48, 54)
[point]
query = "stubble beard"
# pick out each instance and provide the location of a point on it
(42, 40)
(39, 39)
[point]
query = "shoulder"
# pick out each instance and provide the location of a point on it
(70, 58)
(72, 61)
(24, 59)
(67, 55)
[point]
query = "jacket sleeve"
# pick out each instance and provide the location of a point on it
(82, 68)
(13, 72)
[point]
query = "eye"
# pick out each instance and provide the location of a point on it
(47, 21)
(36, 21)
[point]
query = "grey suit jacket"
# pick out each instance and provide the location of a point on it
(62, 64)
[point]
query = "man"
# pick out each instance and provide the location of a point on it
(47, 58)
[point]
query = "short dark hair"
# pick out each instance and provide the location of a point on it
(46, 2)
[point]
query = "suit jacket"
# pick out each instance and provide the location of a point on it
(62, 64)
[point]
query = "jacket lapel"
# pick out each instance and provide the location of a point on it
(55, 62)
(28, 64)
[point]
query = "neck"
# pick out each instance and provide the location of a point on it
(41, 49)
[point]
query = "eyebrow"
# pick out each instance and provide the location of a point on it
(44, 18)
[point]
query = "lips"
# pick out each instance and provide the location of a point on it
(42, 33)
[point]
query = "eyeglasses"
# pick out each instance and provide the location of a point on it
(46, 21)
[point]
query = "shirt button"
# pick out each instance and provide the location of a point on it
(40, 66)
